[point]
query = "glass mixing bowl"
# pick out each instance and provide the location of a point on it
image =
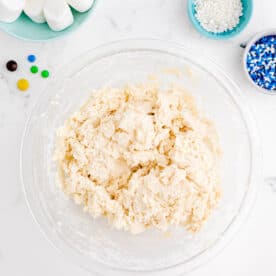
(91, 242)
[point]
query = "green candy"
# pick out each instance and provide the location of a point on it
(34, 69)
(45, 74)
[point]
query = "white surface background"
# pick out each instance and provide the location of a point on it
(23, 248)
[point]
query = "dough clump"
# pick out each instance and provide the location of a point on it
(141, 157)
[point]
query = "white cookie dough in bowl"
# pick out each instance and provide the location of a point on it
(139, 153)
(141, 157)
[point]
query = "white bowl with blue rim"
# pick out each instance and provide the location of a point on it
(25, 28)
(244, 20)
(248, 47)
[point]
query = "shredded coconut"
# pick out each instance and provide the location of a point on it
(218, 16)
(142, 158)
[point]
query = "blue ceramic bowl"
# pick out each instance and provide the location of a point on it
(245, 18)
(25, 28)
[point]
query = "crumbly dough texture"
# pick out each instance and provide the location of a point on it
(141, 157)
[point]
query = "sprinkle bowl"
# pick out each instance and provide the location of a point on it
(244, 20)
(249, 44)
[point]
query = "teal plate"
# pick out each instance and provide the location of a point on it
(25, 28)
(244, 20)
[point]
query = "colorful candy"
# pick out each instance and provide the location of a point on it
(45, 74)
(31, 58)
(23, 84)
(261, 62)
(34, 69)
(11, 65)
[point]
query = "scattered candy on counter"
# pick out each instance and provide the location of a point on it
(45, 74)
(23, 84)
(31, 58)
(261, 62)
(11, 65)
(34, 69)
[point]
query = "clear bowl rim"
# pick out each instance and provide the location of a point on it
(121, 46)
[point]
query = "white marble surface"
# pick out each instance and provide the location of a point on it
(23, 248)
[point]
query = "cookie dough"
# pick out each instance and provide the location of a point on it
(141, 157)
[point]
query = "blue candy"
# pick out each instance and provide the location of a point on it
(31, 58)
(261, 62)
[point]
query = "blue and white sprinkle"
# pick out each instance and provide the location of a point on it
(261, 62)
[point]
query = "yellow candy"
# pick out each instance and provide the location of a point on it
(23, 84)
